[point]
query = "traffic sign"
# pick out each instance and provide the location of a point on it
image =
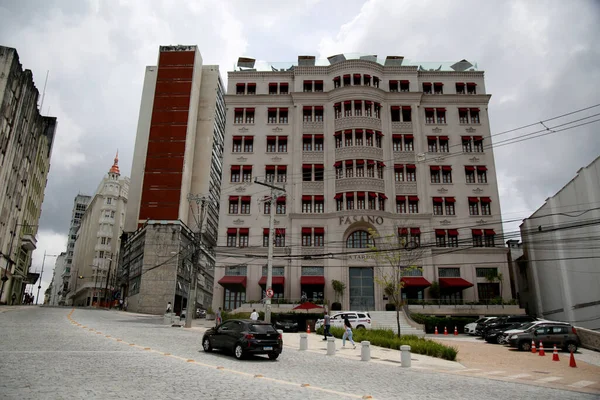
(269, 292)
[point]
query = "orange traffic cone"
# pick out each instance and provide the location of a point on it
(445, 330)
(307, 328)
(572, 362)
(455, 331)
(555, 354)
(533, 349)
(436, 332)
(542, 352)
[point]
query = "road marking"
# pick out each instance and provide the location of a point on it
(549, 379)
(469, 370)
(493, 373)
(518, 376)
(581, 384)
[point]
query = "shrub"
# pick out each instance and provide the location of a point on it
(387, 338)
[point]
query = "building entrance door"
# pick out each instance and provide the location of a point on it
(362, 294)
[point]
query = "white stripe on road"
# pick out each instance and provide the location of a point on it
(518, 376)
(493, 373)
(469, 370)
(549, 379)
(581, 384)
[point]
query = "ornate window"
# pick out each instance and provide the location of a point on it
(359, 240)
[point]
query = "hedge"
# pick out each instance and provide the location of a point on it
(388, 339)
(431, 322)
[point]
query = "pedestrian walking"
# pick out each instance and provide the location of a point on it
(326, 325)
(218, 318)
(254, 315)
(347, 333)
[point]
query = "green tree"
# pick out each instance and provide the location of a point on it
(338, 287)
(496, 276)
(394, 258)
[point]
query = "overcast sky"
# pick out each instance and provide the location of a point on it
(541, 59)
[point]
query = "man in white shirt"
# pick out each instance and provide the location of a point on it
(254, 315)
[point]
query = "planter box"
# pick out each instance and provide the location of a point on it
(467, 310)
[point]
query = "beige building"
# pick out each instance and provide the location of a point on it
(92, 272)
(26, 140)
(57, 286)
(173, 207)
(360, 143)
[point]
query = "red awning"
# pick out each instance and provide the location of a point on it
(307, 230)
(249, 110)
(413, 198)
(319, 136)
(272, 84)
(235, 167)
(251, 84)
(429, 109)
(460, 84)
(318, 108)
(476, 232)
(319, 231)
(474, 109)
(471, 84)
(434, 167)
(485, 199)
(309, 108)
(444, 138)
(349, 194)
(269, 168)
(481, 168)
(415, 281)
(312, 280)
(233, 198)
(360, 162)
(229, 280)
(282, 168)
(440, 109)
(231, 231)
(319, 198)
(399, 137)
(408, 137)
(469, 168)
(271, 137)
(454, 283)
(247, 167)
(440, 232)
(237, 138)
(404, 81)
(244, 231)
(473, 200)
(489, 232)
(411, 166)
(450, 200)
(402, 231)
(395, 108)
(360, 195)
(246, 199)
(338, 196)
(306, 166)
(477, 138)
(426, 83)
(337, 164)
(382, 196)
(306, 198)
(452, 232)
(275, 281)
(438, 84)
(240, 84)
(438, 200)
(399, 166)
(462, 109)
(415, 231)
(272, 109)
(372, 195)
(447, 168)
(433, 138)
(401, 198)
(465, 138)
(349, 162)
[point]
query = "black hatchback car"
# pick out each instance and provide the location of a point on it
(244, 337)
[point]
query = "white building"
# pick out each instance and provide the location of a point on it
(98, 242)
(57, 285)
(365, 143)
(561, 253)
(80, 204)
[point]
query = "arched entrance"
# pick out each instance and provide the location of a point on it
(361, 283)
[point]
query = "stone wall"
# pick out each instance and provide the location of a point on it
(589, 339)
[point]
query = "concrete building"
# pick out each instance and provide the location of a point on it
(57, 286)
(80, 204)
(359, 143)
(98, 242)
(560, 252)
(173, 208)
(26, 140)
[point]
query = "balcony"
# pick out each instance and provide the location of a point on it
(406, 187)
(359, 184)
(402, 127)
(357, 122)
(313, 126)
(404, 156)
(29, 242)
(313, 188)
(314, 157)
(359, 152)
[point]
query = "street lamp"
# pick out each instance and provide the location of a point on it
(42, 274)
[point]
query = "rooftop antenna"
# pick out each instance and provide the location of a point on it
(44, 92)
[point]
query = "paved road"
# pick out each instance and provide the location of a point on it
(45, 355)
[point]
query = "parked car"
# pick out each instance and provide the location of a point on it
(506, 334)
(358, 320)
(483, 323)
(244, 337)
(495, 335)
(471, 327)
(287, 325)
(562, 335)
(200, 313)
(505, 320)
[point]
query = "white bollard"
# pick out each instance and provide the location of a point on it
(303, 341)
(365, 351)
(331, 346)
(280, 331)
(405, 356)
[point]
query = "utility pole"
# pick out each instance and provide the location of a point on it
(42, 274)
(275, 193)
(107, 278)
(196, 255)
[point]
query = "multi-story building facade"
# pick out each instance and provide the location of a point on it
(559, 267)
(80, 204)
(56, 286)
(401, 148)
(98, 241)
(26, 140)
(173, 207)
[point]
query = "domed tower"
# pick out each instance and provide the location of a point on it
(114, 172)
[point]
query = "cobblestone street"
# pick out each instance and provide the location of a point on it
(53, 353)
